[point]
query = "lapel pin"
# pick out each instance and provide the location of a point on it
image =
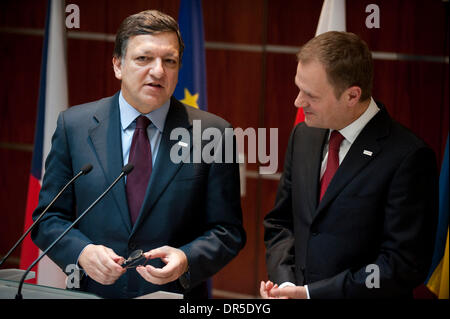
(368, 153)
(183, 144)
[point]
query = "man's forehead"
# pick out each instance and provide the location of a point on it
(150, 42)
(311, 77)
(310, 63)
(312, 70)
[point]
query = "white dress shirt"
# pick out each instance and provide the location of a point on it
(350, 133)
(128, 115)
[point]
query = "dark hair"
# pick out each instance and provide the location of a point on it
(346, 58)
(145, 22)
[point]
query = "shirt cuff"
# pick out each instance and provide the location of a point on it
(286, 284)
(290, 284)
(307, 292)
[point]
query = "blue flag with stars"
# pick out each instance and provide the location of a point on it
(191, 88)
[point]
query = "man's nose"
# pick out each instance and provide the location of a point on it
(300, 101)
(157, 68)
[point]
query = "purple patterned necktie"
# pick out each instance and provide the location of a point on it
(141, 158)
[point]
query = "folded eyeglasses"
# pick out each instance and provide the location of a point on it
(136, 258)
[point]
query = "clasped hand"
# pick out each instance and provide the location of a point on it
(269, 290)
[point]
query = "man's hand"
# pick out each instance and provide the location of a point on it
(297, 292)
(268, 290)
(176, 265)
(101, 264)
(265, 289)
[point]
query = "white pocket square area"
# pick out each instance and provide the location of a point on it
(368, 153)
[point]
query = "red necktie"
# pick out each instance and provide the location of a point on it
(141, 158)
(332, 162)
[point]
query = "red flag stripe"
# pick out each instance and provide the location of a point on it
(300, 116)
(29, 250)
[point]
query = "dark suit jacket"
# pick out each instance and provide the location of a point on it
(194, 207)
(379, 209)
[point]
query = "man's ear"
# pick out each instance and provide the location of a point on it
(117, 66)
(352, 95)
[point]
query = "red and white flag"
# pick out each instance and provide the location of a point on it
(332, 18)
(53, 98)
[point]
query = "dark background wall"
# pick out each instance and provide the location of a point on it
(250, 57)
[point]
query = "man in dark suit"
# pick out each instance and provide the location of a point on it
(186, 216)
(356, 207)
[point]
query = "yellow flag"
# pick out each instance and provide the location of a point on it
(439, 280)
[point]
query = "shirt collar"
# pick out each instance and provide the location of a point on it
(351, 132)
(128, 114)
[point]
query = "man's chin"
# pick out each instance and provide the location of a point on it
(153, 103)
(311, 123)
(308, 122)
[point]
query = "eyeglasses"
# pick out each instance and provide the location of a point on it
(136, 258)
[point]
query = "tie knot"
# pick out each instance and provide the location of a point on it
(142, 122)
(336, 139)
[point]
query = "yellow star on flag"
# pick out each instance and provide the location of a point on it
(190, 99)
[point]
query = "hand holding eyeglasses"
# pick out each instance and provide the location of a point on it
(175, 260)
(101, 264)
(137, 258)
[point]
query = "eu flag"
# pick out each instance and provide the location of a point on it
(191, 88)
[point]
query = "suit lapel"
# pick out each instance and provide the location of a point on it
(104, 135)
(357, 157)
(164, 169)
(310, 169)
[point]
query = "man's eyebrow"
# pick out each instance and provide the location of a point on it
(308, 93)
(145, 52)
(305, 91)
(151, 51)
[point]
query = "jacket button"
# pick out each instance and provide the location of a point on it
(315, 233)
(132, 245)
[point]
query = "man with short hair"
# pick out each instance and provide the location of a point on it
(185, 216)
(356, 207)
